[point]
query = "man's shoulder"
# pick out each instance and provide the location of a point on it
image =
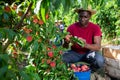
(74, 25)
(93, 24)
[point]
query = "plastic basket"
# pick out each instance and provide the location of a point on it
(83, 75)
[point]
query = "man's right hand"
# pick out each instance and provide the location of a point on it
(67, 41)
(67, 37)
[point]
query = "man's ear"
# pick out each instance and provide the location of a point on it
(90, 16)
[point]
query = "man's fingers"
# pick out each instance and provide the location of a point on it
(68, 37)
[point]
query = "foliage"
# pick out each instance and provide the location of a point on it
(107, 19)
(28, 31)
(27, 34)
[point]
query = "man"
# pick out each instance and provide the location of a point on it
(90, 34)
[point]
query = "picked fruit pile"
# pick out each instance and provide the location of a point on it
(79, 68)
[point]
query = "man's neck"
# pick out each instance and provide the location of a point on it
(83, 25)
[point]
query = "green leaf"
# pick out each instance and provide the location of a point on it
(7, 33)
(1, 10)
(11, 34)
(43, 13)
(57, 3)
(35, 46)
(0, 47)
(11, 75)
(118, 3)
(2, 2)
(6, 16)
(4, 57)
(2, 33)
(3, 70)
(36, 76)
(24, 75)
(30, 68)
(44, 65)
(84, 4)
(67, 5)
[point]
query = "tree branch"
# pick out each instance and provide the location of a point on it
(23, 17)
(6, 43)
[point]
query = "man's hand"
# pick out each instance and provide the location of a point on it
(82, 40)
(67, 37)
(67, 41)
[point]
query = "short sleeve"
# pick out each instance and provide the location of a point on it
(97, 31)
(70, 30)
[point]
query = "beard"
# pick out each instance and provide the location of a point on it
(83, 23)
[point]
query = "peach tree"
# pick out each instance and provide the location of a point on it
(27, 47)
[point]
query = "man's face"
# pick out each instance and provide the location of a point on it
(84, 17)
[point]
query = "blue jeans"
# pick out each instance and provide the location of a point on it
(71, 56)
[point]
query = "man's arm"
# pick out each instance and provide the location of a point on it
(97, 44)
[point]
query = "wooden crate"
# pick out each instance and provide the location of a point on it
(111, 53)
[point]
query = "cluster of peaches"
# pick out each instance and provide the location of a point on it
(79, 68)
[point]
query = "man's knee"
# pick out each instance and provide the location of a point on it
(70, 57)
(97, 62)
(66, 57)
(100, 60)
